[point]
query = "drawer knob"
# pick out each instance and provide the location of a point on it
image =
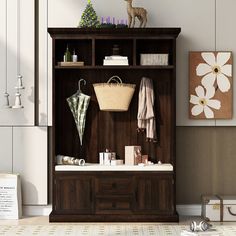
(114, 185)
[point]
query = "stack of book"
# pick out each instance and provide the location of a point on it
(115, 61)
(211, 232)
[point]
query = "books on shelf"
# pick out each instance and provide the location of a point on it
(116, 61)
(70, 63)
(107, 62)
(116, 57)
(211, 232)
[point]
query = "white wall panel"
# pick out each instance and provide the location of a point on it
(19, 116)
(66, 13)
(8, 55)
(225, 41)
(43, 64)
(27, 55)
(9, 119)
(2, 51)
(5, 149)
(30, 160)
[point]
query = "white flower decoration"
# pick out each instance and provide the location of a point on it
(203, 102)
(215, 68)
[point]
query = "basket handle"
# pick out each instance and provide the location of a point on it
(115, 78)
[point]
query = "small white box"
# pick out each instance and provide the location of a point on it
(219, 208)
(107, 158)
(130, 152)
(229, 207)
(116, 162)
(10, 196)
(211, 207)
(160, 59)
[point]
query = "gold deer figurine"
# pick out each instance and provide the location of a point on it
(138, 12)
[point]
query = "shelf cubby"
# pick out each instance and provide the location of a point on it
(154, 46)
(82, 48)
(103, 47)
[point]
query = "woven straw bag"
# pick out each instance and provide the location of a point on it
(114, 96)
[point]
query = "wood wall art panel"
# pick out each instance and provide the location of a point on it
(210, 85)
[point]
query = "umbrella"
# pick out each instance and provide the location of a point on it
(78, 104)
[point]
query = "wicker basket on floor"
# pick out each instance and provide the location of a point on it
(114, 96)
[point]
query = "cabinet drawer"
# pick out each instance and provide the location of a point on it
(114, 205)
(114, 185)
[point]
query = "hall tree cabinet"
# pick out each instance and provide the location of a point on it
(111, 195)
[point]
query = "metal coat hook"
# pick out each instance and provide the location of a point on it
(79, 84)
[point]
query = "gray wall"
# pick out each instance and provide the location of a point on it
(206, 162)
(205, 153)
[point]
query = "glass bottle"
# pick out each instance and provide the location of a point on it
(67, 56)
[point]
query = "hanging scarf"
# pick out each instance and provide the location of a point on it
(146, 114)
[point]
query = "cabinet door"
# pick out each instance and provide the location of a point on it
(17, 52)
(154, 194)
(6, 149)
(74, 195)
(44, 65)
(30, 161)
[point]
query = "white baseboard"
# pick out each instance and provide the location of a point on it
(37, 210)
(189, 210)
(183, 210)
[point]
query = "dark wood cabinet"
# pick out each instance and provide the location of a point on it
(74, 194)
(114, 184)
(114, 196)
(114, 193)
(154, 193)
(117, 195)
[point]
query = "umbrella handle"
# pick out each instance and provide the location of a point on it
(80, 81)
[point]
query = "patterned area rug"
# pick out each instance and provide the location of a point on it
(100, 230)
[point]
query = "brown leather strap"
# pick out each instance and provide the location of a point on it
(221, 208)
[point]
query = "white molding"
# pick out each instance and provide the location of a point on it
(50, 84)
(189, 210)
(34, 210)
(43, 63)
(183, 210)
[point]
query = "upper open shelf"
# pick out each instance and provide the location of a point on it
(91, 48)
